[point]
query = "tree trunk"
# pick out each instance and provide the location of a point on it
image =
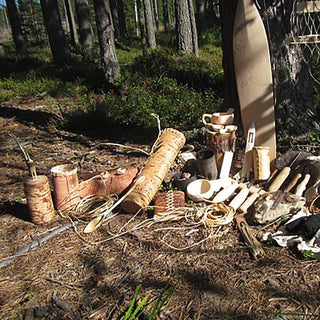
(151, 38)
(200, 16)
(211, 17)
(85, 28)
(227, 14)
(141, 26)
(193, 29)
(35, 23)
(165, 15)
(122, 19)
(65, 22)
(5, 18)
(115, 18)
(72, 24)
(108, 55)
(185, 26)
(23, 18)
(136, 18)
(18, 37)
(156, 13)
(57, 39)
(293, 85)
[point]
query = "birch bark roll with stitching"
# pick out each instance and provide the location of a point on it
(165, 151)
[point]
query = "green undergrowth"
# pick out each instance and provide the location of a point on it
(147, 307)
(196, 72)
(177, 105)
(30, 84)
(179, 88)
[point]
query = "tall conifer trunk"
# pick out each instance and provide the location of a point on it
(108, 55)
(18, 37)
(85, 28)
(57, 38)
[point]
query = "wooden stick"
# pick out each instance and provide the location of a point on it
(34, 244)
(255, 246)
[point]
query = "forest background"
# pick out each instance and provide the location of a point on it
(171, 58)
(103, 80)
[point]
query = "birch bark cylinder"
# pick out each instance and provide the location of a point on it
(158, 165)
(38, 195)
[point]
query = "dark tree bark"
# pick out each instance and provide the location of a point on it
(193, 29)
(115, 18)
(38, 35)
(165, 15)
(122, 19)
(30, 25)
(185, 27)
(142, 28)
(85, 28)
(227, 14)
(18, 37)
(72, 24)
(156, 13)
(205, 15)
(108, 55)
(293, 85)
(22, 5)
(57, 39)
(151, 38)
(200, 16)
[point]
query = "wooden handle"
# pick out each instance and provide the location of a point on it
(239, 198)
(226, 164)
(249, 202)
(279, 180)
(225, 193)
(302, 186)
(293, 182)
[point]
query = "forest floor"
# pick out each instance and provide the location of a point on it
(78, 276)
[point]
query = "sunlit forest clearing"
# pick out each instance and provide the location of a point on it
(108, 100)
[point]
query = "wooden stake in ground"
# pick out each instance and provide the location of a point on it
(30, 163)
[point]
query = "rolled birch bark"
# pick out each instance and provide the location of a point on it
(39, 200)
(157, 166)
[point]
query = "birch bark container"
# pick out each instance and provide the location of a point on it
(38, 195)
(65, 186)
(261, 163)
(158, 165)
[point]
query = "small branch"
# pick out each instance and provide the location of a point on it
(33, 244)
(122, 146)
(30, 163)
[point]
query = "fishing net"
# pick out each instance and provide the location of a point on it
(305, 27)
(305, 33)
